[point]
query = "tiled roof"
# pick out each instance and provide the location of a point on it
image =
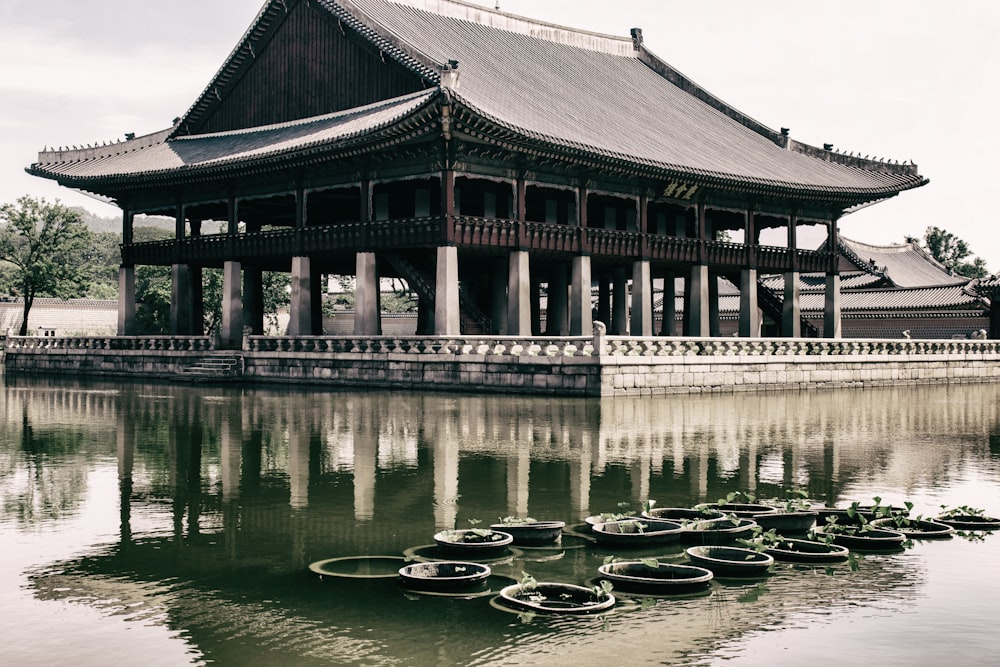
(906, 265)
(596, 93)
(816, 282)
(953, 297)
(156, 154)
(600, 96)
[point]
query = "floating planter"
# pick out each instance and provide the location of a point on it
(529, 532)
(969, 521)
(923, 529)
(855, 539)
(444, 576)
(718, 531)
(555, 598)
(742, 510)
(806, 551)
(731, 561)
(798, 522)
(653, 577)
(358, 567)
(474, 543)
(637, 533)
(682, 514)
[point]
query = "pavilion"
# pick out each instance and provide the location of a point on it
(486, 159)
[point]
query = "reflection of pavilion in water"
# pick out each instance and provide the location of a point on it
(485, 456)
(263, 482)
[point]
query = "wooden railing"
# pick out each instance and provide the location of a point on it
(429, 232)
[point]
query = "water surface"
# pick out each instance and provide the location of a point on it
(174, 525)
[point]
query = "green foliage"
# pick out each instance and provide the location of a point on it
(953, 252)
(42, 244)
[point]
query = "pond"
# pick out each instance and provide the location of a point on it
(172, 525)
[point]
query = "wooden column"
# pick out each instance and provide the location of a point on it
(448, 206)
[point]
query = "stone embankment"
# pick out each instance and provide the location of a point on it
(584, 366)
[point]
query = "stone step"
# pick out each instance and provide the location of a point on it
(207, 369)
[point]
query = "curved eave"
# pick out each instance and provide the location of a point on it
(420, 121)
(501, 132)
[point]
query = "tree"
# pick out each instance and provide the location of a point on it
(952, 252)
(43, 244)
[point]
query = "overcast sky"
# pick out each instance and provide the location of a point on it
(901, 79)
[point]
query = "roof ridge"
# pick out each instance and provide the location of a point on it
(132, 143)
(515, 23)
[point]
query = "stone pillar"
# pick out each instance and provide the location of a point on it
(603, 299)
(557, 312)
(126, 301)
(367, 318)
(231, 328)
(669, 310)
(642, 299)
(749, 309)
(619, 304)
(253, 300)
(535, 303)
(831, 307)
(300, 322)
(519, 295)
(181, 300)
(714, 320)
(447, 320)
(995, 316)
(791, 314)
(696, 301)
(498, 300)
(581, 309)
(197, 301)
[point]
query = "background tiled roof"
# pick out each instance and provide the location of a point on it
(905, 265)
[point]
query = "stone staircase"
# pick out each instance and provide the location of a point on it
(219, 367)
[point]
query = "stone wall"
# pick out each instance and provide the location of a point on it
(563, 366)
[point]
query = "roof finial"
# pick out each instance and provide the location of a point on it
(498, 5)
(636, 38)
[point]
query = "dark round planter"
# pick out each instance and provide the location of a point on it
(468, 545)
(877, 539)
(532, 533)
(730, 561)
(555, 598)
(444, 576)
(742, 510)
(807, 551)
(637, 533)
(970, 522)
(717, 532)
(917, 529)
(682, 514)
(664, 579)
(796, 523)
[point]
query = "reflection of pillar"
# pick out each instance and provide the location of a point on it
(579, 477)
(640, 473)
(365, 469)
(126, 458)
(518, 475)
(699, 472)
(231, 444)
(445, 479)
(298, 468)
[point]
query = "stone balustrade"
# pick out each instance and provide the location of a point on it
(599, 365)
